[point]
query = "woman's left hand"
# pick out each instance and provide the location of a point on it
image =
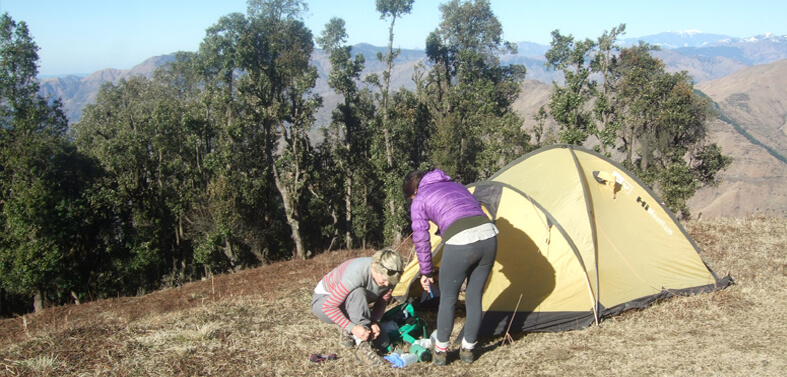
(375, 327)
(426, 283)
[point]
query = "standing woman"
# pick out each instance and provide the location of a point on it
(469, 252)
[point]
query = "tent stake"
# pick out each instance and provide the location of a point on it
(508, 337)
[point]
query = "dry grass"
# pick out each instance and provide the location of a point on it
(258, 323)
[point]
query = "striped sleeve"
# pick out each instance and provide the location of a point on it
(338, 293)
(331, 307)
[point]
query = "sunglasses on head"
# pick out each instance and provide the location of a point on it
(390, 271)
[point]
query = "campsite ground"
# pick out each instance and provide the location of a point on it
(258, 322)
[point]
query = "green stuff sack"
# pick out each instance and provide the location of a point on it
(410, 326)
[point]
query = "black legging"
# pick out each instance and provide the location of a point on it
(459, 262)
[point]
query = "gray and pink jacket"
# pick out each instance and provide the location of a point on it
(347, 277)
(442, 202)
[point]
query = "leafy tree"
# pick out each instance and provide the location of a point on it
(235, 220)
(347, 135)
(542, 136)
(568, 103)
(44, 217)
(254, 91)
(389, 167)
(609, 124)
(409, 124)
(218, 61)
(653, 117)
(392, 9)
(136, 130)
(664, 136)
(274, 52)
(469, 93)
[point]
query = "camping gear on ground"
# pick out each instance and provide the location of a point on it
(389, 327)
(423, 354)
(401, 360)
(425, 343)
(581, 239)
(402, 324)
(409, 326)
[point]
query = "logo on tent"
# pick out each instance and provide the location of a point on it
(654, 215)
(624, 186)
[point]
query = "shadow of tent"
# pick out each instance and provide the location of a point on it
(521, 271)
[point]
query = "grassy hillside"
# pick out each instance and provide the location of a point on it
(258, 322)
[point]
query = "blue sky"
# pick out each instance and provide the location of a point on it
(84, 36)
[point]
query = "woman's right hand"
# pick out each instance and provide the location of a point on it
(361, 332)
(426, 283)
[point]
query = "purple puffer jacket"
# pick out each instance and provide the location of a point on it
(441, 201)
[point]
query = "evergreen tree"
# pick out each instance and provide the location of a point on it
(390, 170)
(609, 123)
(257, 98)
(664, 132)
(45, 219)
(469, 93)
(568, 102)
(347, 138)
(138, 132)
(276, 92)
(236, 220)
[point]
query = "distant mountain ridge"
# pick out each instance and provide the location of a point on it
(76, 92)
(704, 56)
(677, 39)
(695, 39)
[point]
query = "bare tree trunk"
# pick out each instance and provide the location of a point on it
(290, 213)
(335, 236)
(392, 207)
(386, 92)
(230, 253)
(38, 301)
(365, 224)
(348, 212)
(182, 250)
(386, 131)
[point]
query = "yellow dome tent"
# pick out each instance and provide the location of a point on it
(580, 239)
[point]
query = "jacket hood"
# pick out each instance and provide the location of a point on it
(434, 176)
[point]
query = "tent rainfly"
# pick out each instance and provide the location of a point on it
(581, 239)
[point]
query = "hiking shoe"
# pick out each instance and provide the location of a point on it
(346, 339)
(439, 358)
(367, 355)
(467, 356)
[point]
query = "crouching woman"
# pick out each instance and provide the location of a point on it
(343, 297)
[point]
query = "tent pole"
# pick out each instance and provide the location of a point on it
(592, 218)
(592, 299)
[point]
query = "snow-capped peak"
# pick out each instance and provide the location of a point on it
(687, 33)
(765, 37)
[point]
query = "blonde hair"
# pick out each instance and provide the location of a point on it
(386, 260)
